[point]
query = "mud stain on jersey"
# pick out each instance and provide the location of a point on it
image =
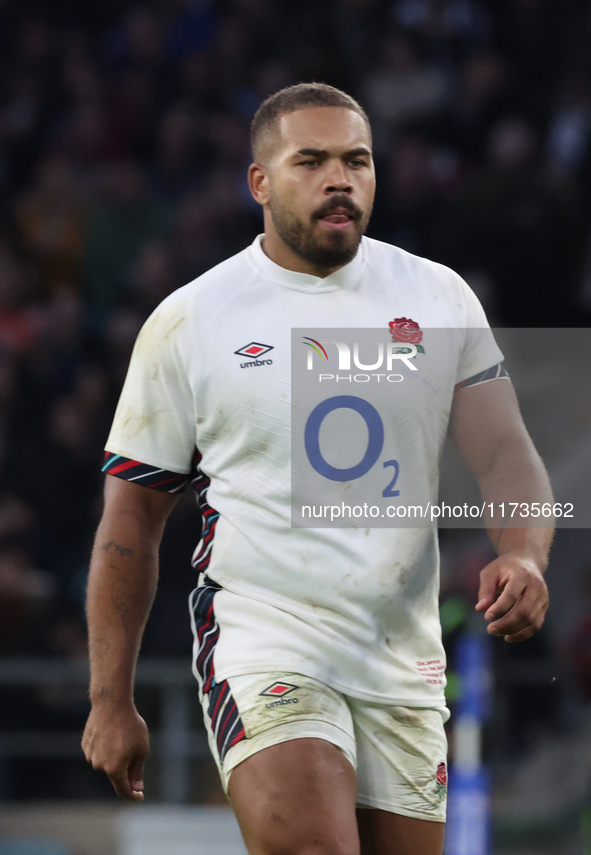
(393, 647)
(403, 576)
(259, 446)
(155, 332)
(387, 575)
(409, 729)
(134, 422)
(407, 717)
(172, 328)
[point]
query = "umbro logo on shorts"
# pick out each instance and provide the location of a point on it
(279, 690)
(255, 349)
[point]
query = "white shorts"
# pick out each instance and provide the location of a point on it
(399, 753)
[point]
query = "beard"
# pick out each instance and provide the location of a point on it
(327, 250)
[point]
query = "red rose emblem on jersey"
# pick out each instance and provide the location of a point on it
(403, 329)
(442, 775)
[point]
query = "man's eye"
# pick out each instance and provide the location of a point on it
(311, 164)
(356, 164)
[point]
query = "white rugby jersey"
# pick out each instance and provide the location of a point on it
(354, 608)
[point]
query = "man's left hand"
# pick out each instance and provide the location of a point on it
(514, 597)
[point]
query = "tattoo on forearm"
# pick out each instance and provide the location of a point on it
(107, 692)
(121, 550)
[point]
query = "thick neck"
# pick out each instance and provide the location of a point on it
(344, 277)
(278, 251)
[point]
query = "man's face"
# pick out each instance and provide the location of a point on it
(322, 184)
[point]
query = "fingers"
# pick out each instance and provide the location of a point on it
(504, 604)
(523, 635)
(488, 589)
(125, 775)
(519, 610)
(120, 752)
(519, 624)
(484, 602)
(120, 778)
(522, 617)
(135, 776)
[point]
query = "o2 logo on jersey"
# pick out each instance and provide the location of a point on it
(375, 427)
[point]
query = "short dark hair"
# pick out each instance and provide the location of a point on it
(294, 98)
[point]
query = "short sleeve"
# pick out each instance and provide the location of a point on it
(480, 350)
(155, 422)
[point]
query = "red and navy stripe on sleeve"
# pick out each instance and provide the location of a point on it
(144, 474)
(496, 372)
(171, 482)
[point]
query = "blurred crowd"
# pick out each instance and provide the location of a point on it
(124, 144)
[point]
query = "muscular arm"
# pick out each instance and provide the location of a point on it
(488, 431)
(121, 587)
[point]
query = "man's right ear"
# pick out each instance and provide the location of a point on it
(258, 181)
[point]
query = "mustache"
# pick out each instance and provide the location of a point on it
(335, 202)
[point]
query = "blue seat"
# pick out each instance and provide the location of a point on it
(34, 846)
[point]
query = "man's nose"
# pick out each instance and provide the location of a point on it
(337, 179)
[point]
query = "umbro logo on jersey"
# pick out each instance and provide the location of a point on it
(279, 690)
(255, 349)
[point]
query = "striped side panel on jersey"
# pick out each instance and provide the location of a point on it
(497, 372)
(144, 474)
(209, 516)
(226, 724)
(207, 632)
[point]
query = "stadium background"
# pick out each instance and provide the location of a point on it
(123, 155)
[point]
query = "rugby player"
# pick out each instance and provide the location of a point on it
(310, 644)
